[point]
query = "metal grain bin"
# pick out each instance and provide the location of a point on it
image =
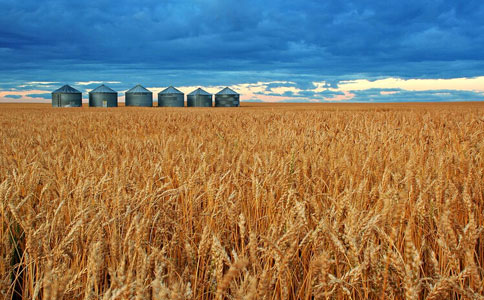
(171, 97)
(139, 96)
(66, 96)
(199, 98)
(227, 98)
(103, 96)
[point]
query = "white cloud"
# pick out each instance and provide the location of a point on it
(320, 86)
(38, 84)
(384, 93)
(345, 96)
(459, 84)
(41, 82)
(283, 89)
(95, 82)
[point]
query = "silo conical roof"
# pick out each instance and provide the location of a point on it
(103, 89)
(66, 89)
(227, 91)
(199, 91)
(170, 90)
(138, 89)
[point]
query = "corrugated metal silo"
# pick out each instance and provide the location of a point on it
(227, 98)
(171, 97)
(139, 96)
(66, 96)
(103, 96)
(199, 98)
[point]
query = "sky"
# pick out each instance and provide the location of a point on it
(271, 51)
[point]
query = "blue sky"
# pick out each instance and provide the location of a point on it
(318, 51)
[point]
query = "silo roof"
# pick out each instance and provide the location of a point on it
(170, 90)
(103, 89)
(66, 89)
(199, 91)
(138, 89)
(227, 91)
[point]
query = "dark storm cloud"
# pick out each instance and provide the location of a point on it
(326, 38)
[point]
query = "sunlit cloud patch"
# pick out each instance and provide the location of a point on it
(458, 84)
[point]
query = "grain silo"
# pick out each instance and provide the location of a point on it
(103, 96)
(171, 97)
(139, 96)
(199, 98)
(227, 98)
(66, 96)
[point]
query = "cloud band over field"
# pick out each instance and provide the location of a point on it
(361, 90)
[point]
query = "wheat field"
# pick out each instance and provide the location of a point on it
(265, 201)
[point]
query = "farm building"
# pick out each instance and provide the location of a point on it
(171, 97)
(227, 98)
(66, 96)
(139, 96)
(199, 98)
(103, 96)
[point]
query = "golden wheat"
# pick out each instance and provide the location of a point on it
(264, 201)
